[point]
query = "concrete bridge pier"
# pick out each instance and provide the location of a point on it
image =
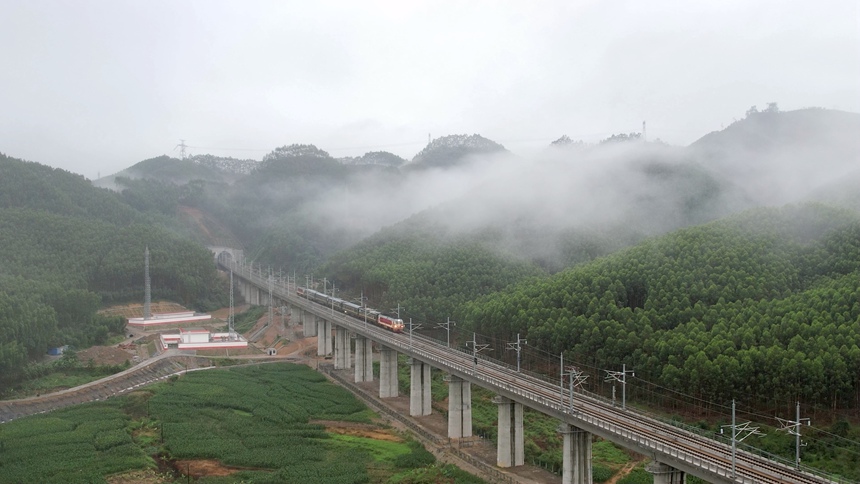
(309, 323)
(363, 359)
(286, 312)
(510, 449)
(419, 389)
(576, 455)
(244, 291)
(342, 355)
(323, 336)
(666, 474)
(388, 379)
(239, 285)
(459, 408)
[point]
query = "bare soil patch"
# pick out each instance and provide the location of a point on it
(105, 355)
(203, 467)
(355, 429)
(135, 310)
(224, 313)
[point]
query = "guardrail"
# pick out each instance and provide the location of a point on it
(556, 406)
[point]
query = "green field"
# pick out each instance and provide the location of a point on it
(256, 420)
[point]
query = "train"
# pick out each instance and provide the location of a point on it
(373, 316)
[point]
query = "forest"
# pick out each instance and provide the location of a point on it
(762, 307)
(627, 253)
(68, 249)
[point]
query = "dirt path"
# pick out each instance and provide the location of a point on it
(627, 469)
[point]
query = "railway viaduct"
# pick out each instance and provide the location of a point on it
(676, 452)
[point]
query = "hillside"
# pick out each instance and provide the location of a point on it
(761, 306)
(168, 170)
(453, 150)
(415, 265)
(567, 205)
(68, 248)
(783, 157)
(380, 158)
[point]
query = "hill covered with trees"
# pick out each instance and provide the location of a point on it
(68, 248)
(764, 305)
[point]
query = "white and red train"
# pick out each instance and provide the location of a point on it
(373, 316)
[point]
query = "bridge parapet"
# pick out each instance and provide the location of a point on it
(692, 454)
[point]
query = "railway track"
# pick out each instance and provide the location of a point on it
(696, 454)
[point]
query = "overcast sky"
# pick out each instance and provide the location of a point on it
(96, 86)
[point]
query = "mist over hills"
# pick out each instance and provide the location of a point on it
(671, 259)
(782, 157)
(462, 198)
(570, 203)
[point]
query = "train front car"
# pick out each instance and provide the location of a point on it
(393, 324)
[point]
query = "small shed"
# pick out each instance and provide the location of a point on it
(194, 335)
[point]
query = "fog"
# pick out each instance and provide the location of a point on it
(620, 192)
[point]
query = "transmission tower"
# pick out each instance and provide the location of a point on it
(181, 147)
(230, 330)
(147, 287)
(271, 282)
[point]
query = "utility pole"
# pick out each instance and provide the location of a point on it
(447, 326)
(561, 382)
(620, 376)
(793, 428)
(411, 327)
(518, 346)
(737, 430)
(476, 348)
(363, 308)
(575, 378)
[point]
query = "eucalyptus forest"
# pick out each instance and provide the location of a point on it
(714, 287)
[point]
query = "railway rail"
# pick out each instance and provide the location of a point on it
(682, 449)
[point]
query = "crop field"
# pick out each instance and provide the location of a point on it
(254, 422)
(74, 445)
